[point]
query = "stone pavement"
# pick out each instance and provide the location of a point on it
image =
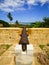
(7, 58)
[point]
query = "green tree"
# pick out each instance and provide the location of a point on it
(10, 17)
(5, 24)
(16, 22)
(46, 21)
(36, 24)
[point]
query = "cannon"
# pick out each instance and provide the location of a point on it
(23, 50)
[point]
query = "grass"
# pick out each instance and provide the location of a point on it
(46, 49)
(7, 46)
(47, 44)
(48, 55)
(3, 48)
(41, 46)
(42, 59)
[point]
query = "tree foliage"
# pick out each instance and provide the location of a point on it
(37, 24)
(10, 17)
(16, 22)
(5, 24)
(46, 21)
(41, 24)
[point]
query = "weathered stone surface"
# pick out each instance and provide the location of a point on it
(9, 35)
(36, 35)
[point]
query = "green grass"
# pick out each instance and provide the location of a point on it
(47, 44)
(7, 46)
(46, 49)
(3, 48)
(41, 46)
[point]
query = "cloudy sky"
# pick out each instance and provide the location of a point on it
(24, 10)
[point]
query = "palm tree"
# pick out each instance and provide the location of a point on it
(10, 17)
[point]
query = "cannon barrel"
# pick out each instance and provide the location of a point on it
(24, 39)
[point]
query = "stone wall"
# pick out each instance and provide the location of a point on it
(38, 35)
(12, 35)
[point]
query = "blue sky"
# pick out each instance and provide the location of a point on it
(24, 10)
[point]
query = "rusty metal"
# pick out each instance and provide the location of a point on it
(24, 39)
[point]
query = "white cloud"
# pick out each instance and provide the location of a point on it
(13, 5)
(31, 1)
(7, 9)
(35, 2)
(43, 2)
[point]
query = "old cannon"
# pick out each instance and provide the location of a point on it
(23, 50)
